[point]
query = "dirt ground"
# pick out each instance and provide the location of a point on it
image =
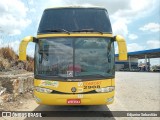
(135, 91)
(19, 103)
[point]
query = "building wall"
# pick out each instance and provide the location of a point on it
(125, 64)
(119, 66)
(132, 60)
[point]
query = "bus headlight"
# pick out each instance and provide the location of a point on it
(105, 89)
(43, 90)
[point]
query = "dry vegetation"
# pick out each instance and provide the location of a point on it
(14, 89)
(9, 61)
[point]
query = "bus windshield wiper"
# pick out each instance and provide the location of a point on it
(87, 30)
(56, 30)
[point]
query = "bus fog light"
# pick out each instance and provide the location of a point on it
(106, 89)
(43, 90)
(110, 99)
(37, 99)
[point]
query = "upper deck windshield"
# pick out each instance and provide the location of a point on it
(81, 58)
(74, 19)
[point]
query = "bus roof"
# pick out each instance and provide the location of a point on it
(65, 7)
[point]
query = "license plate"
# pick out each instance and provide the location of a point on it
(74, 101)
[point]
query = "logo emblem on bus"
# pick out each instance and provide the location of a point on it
(73, 89)
(69, 73)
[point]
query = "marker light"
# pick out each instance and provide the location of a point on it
(105, 89)
(43, 90)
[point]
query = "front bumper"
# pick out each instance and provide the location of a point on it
(86, 99)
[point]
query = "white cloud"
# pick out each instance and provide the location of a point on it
(33, 10)
(12, 44)
(132, 36)
(120, 27)
(30, 2)
(139, 4)
(30, 49)
(134, 47)
(153, 44)
(1, 42)
(134, 10)
(13, 17)
(53, 3)
(150, 44)
(153, 27)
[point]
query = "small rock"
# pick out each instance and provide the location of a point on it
(7, 97)
(2, 90)
(1, 101)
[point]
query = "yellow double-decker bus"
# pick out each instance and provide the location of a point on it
(74, 57)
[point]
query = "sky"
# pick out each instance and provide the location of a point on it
(138, 21)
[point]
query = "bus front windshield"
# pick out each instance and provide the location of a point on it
(83, 58)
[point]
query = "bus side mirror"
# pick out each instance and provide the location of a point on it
(122, 47)
(23, 46)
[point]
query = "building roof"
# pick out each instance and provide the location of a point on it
(152, 53)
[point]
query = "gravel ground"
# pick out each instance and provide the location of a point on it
(137, 91)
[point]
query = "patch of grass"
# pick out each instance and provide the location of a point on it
(8, 53)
